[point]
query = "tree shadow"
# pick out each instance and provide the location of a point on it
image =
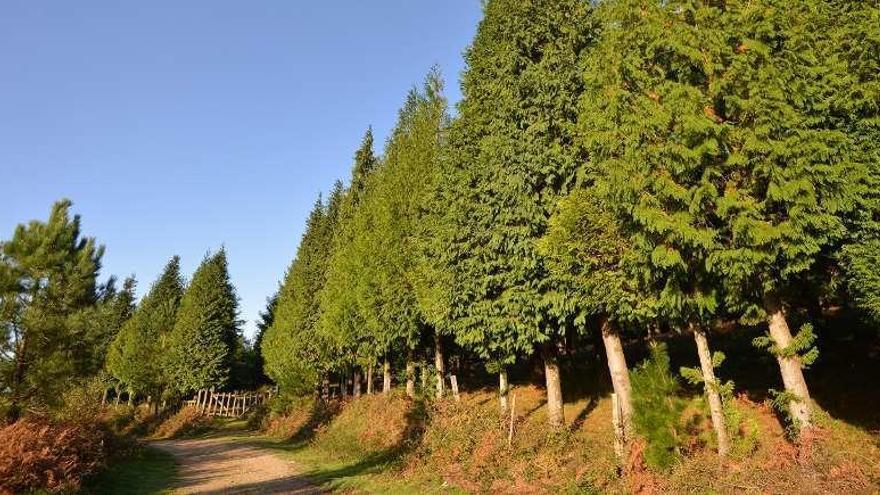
(582, 416)
(416, 421)
(842, 381)
(321, 413)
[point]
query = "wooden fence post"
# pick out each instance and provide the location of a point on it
(453, 381)
(512, 418)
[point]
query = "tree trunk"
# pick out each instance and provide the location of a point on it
(790, 367)
(343, 386)
(130, 397)
(712, 388)
(410, 374)
(356, 386)
(325, 387)
(370, 379)
(619, 375)
(104, 397)
(157, 400)
(15, 407)
(117, 394)
(503, 391)
(555, 412)
(386, 376)
(439, 363)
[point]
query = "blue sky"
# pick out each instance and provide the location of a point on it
(178, 127)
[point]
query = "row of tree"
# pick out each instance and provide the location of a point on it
(613, 167)
(60, 326)
(183, 338)
(56, 319)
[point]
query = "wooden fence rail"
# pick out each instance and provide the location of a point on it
(227, 404)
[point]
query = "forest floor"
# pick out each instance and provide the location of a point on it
(229, 463)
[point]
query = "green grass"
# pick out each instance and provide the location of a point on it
(148, 471)
(371, 474)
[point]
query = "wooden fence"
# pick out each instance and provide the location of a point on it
(227, 404)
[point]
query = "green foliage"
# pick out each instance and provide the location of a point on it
(205, 336)
(741, 429)
(294, 350)
(48, 294)
(511, 155)
(781, 401)
(861, 262)
(370, 302)
(801, 346)
(589, 255)
(657, 408)
(135, 355)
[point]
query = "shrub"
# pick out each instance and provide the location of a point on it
(119, 418)
(300, 420)
(657, 408)
(256, 417)
(39, 454)
(373, 425)
(188, 421)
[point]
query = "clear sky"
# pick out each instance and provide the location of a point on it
(180, 126)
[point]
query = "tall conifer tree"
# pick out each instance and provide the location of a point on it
(48, 275)
(512, 155)
(295, 351)
(206, 332)
(136, 354)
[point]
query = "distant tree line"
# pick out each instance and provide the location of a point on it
(61, 326)
(613, 168)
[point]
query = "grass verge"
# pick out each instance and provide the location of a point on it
(147, 471)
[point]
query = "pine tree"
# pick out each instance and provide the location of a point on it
(48, 275)
(512, 155)
(855, 40)
(136, 354)
(365, 162)
(100, 324)
(267, 318)
(370, 295)
(206, 334)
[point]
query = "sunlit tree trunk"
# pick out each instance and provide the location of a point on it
(789, 366)
(386, 376)
(619, 375)
(503, 391)
(410, 374)
(356, 383)
(439, 363)
(555, 413)
(711, 385)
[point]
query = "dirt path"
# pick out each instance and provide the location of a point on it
(223, 465)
